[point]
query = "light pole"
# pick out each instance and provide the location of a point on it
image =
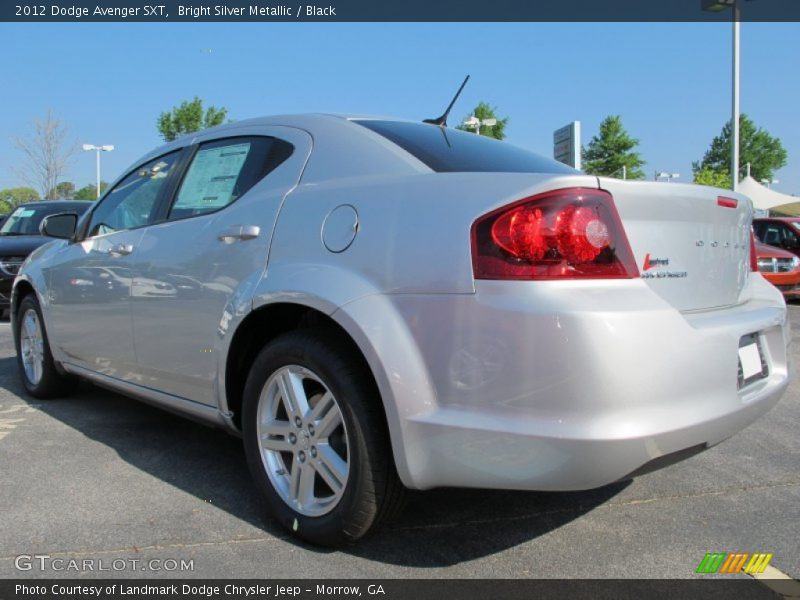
(718, 6)
(98, 149)
(624, 170)
(475, 122)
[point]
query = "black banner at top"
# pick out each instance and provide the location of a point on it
(397, 10)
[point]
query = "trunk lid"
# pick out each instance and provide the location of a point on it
(691, 249)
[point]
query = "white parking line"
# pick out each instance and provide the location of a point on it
(779, 582)
(6, 425)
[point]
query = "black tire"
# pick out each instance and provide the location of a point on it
(53, 383)
(373, 492)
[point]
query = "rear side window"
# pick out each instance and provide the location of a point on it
(451, 150)
(223, 170)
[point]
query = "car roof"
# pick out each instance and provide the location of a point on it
(56, 203)
(368, 152)
(307, 121)
(783, 219)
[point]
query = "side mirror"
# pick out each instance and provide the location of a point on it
(60, 226)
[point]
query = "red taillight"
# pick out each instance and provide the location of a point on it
(572, 233)
(753, 257)
(727, 202)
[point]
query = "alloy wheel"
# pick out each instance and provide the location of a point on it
(32, 346)
(303, 440)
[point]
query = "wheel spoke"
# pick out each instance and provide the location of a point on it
(305, 491)
(276, 444)
(321, 408)
(331, 468)
(275, 435)
(28, 325)
(330, 421)
(294, 479)
(293, 394)
(275, 428)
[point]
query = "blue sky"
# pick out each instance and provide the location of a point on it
(669, 81)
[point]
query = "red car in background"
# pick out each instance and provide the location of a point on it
(780, 268)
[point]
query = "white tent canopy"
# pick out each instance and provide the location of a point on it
(764, 198)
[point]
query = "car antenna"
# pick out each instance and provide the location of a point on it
(442, 121)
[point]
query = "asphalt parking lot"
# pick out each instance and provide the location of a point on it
(99, 476)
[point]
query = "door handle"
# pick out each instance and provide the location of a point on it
(239, 233)
(121, 250)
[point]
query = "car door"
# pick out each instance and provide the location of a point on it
(203, 260)
(89, 281)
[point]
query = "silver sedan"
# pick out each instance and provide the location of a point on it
(375, 305)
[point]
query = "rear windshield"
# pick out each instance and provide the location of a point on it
(452, 150)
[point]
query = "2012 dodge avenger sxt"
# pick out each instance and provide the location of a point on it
(377, 304)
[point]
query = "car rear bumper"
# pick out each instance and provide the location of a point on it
(519, 454)
(571, 385)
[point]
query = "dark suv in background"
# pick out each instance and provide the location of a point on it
(19, 236)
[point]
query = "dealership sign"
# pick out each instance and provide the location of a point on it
(567, 144)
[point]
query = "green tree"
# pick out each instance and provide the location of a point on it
(485, 111)
(89, 192)
(708, 176)
(189, 117)
(611, 149)
(10, 198)
(64, 191)
(765, 153)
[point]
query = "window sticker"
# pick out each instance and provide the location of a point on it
(210, 182)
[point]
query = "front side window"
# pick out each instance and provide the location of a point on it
(132, 201)
(223, 170)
